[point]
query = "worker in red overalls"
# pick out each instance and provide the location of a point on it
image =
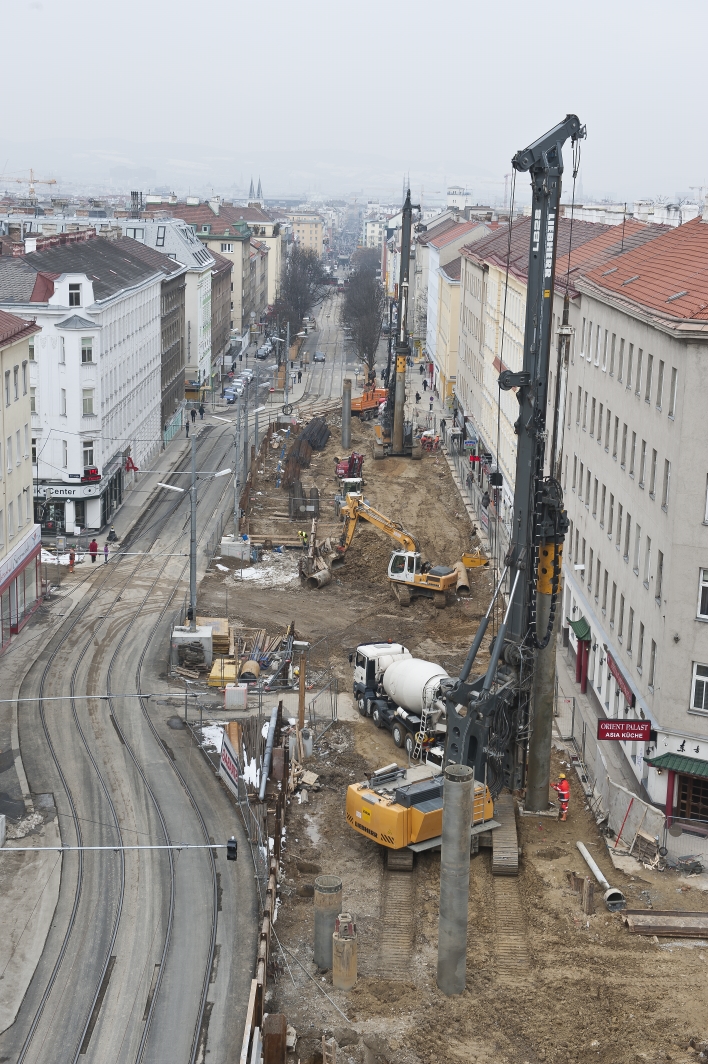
(563, 790)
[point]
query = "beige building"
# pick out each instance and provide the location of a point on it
(308, 230)
(20, 537)
(448, 326)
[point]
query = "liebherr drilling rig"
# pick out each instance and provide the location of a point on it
(488, 717)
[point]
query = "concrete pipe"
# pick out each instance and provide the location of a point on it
(458, 791)
(320, 579)
(613, 897)
(344, 953)
(328, 905)
(463, 579)
(250, 670)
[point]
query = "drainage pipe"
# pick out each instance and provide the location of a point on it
(614, 898)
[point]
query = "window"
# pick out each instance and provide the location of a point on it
(623, 457)
(610, 516)
(24, 378)
(652, 475)
(614, 438)
(7, 387)
(665, 486)
(604, 351)
(630, 630)
(88, 453)
(642, 463)
(620, 619)
(599, 423)
(580, 483)
(672, 393)
(16, 382)
(637, 547)
(602, 506)
(63, 402)
(612, 354)
(592, 418)
(659, 384)
(598, 569)
(607, 430)
(618, 540)
(33, 400)
(659, 577)
(587, 489)
(34, 451)
(589, 569)
(64, 454)
(627, 536)
(62, 351)
(10, 521)
(74, 295)
(18, 447)
(86, 349)
(703, 594)
(648, 379)
(585, 411)
(227, 249)
(638, 387)
(699, 691)
(565, 474)
(31, 349)
(620, 365)
(613, 603)
(27, 504)
(87, 401)
(8, 453)
(577, 412)
(652, 666)
(575, 475)
(594, 498)
(604, 592)
(160, 239)
(632, 454)
(640, 648)
(598, 335)
(630, 361)
(647, 561)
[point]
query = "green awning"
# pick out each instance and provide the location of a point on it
(581, 628)
(688, 766)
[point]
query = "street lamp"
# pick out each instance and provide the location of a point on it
(193, 529)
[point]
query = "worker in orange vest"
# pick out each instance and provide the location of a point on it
(563, 790)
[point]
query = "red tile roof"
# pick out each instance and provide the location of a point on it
(493, 248)
(202, 214)
(453, 269)
(222, 263)
(669, 275)
(617, 240)
(457, 230)
(13, 328)
(435, 231)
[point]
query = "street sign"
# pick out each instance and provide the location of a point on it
(625, 730)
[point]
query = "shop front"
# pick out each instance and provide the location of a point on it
(686, 789)
(20, 584)
(61, 509)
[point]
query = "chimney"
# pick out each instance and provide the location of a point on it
(30, 244)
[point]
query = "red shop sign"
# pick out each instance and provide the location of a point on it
(621, 682)
(638, 730)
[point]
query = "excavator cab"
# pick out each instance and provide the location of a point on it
(404, 565)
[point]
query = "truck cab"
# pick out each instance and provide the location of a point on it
(370, 662)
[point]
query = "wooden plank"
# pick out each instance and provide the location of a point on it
(248, 1030)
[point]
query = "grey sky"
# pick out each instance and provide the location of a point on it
(345, 98)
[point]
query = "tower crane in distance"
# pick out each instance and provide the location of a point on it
(32, 181)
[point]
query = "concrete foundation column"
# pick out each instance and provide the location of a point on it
(458, 797)
(347, 414)
(344, 953)
(328, 905)
(539, 764)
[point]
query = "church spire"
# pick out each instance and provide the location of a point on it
(259, 194)
(251, 192)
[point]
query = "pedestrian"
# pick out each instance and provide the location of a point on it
(201, 411)
(417, 398)
(422, 369)
(72, 559)
(186, 426)
(299, 376)
(193, 414)
(105, 554)
(443, 425)
(425, 384)
(563, 790)
(93, 550)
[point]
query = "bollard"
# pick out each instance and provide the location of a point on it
(328, 904)
(458, 791)
(344, 952)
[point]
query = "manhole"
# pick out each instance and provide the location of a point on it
(176, 723)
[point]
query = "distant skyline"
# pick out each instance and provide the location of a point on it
(307, 96)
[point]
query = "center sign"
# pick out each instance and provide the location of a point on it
(636, 730)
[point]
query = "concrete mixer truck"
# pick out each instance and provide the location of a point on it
(400, 693)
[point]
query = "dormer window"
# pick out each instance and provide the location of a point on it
(205, 228)
(74, 295)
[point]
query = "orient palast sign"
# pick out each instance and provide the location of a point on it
(637, 730)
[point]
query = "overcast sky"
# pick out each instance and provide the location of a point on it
(345, 98)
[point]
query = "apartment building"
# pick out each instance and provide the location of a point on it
(635, 479)
(94, 374)
(308, 230)
(448, 327)
(20, 540)
(222, 321)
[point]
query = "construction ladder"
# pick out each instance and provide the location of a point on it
(329, 1051)
(421, 733)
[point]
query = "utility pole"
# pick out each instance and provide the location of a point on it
(287, 360)
(193, 543)
(237, 458)
(245, 432)
(255, 413)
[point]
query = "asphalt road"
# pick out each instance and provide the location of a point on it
(150, 954)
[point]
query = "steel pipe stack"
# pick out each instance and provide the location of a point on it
(458, 796)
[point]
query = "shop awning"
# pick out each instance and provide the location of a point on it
(687, 766)
(581, 628)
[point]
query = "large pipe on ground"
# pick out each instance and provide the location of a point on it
(463, 579)
(347, 414)
(328, 905)
(614, 898)
(458, 796)
(319, 579)
(267, 757)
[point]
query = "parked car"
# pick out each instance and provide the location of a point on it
(230, 395)
(319, 356)
(247, 374)
(262, 354)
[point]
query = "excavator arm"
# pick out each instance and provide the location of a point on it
(355, 509)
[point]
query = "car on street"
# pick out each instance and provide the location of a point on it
(262, 353)
(247, 374)
(319, 356)
(230, 395)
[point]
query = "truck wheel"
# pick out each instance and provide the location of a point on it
(439, 600)
(410, 745)
(361, 705)
(398, 734)
(376, 717)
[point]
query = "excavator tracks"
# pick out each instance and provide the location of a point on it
(505, 844)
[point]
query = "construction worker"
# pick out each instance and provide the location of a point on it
(563, 790)
(302, 536)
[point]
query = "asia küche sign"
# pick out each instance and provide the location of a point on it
(625, 730)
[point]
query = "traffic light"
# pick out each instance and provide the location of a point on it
(231, 849)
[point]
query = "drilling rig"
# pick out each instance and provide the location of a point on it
(500, 723)
(393, 435)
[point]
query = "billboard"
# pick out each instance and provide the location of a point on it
(228, 766)
(637, 730)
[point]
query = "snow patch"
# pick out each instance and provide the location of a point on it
(213, 735)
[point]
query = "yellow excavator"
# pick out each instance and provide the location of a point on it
(410, 576)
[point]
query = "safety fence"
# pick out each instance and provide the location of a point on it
(213, 542)
(495, 529)
(633, 823)
(174, 425)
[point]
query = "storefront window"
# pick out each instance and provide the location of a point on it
(5, 609)
(692, 798)
(51, 517)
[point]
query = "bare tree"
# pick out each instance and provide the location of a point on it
(302, 285)
(363, 310)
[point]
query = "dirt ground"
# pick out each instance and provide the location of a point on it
(544, 983)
